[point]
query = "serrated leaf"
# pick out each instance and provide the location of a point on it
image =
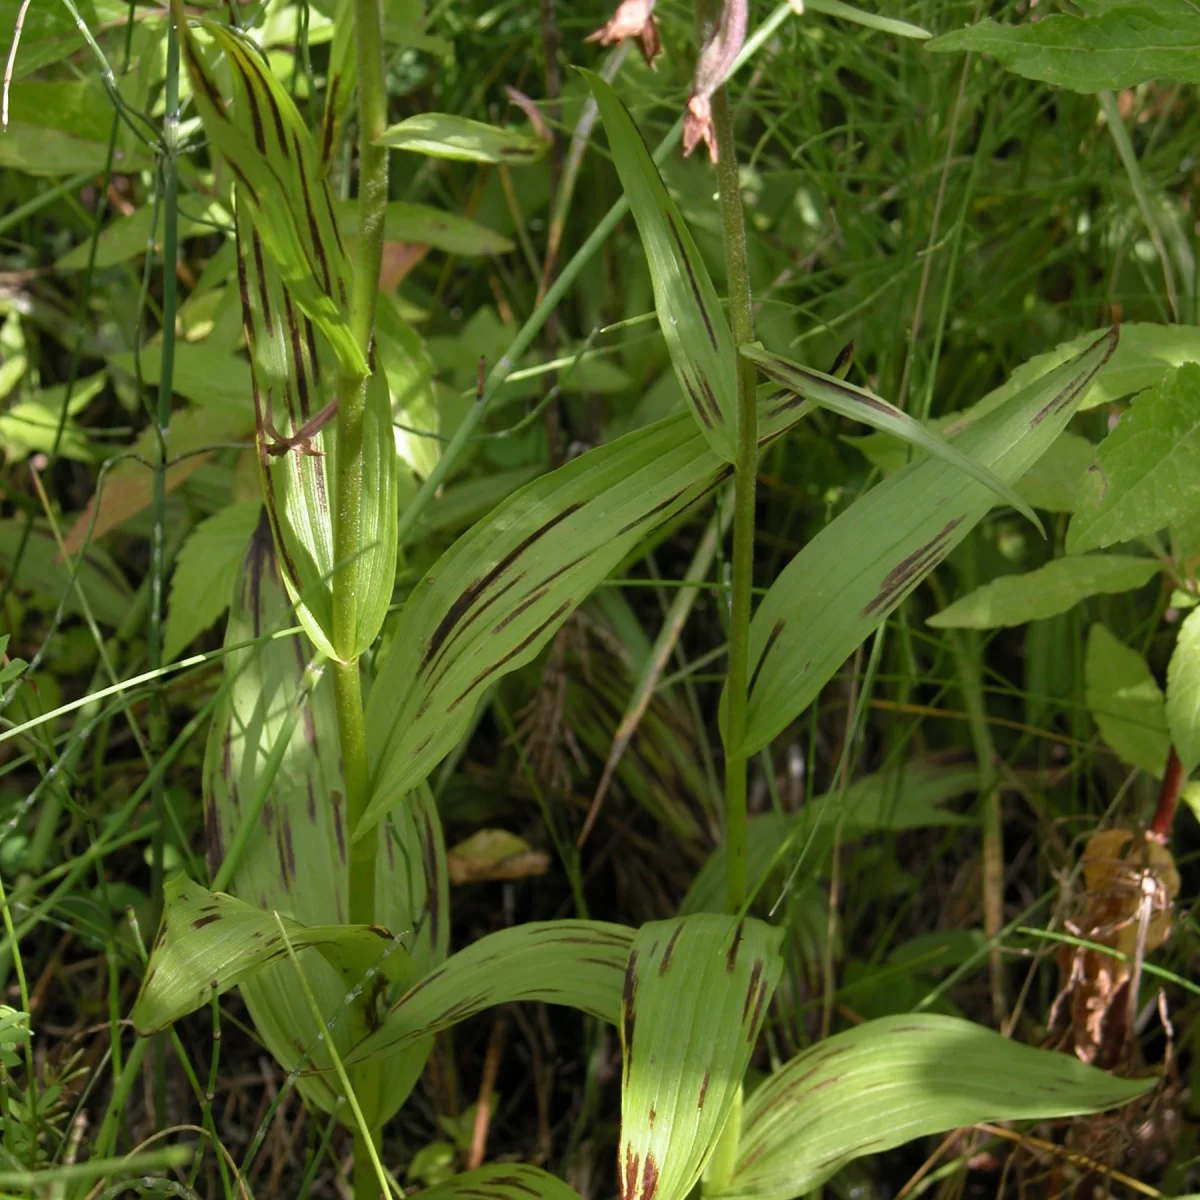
(444, 135)
(1045, 592)
(209, 942)
(890, 1081)
(689, 312)
(428, 226)
(860, 405)
(502, 1181)
(1112, 45)
(277, 167)
(296, 857)
(1147, 471)
(1183, 693)
(205, 570)
(291, 385)
(909, 797)
(498, 595)
(848, 578)
(1126, 702)
(696, 991)
(580, 964)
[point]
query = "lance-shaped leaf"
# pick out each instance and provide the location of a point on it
(278, 170)
(444, 135)
(291, 823)
(502, 1181)
(892, 1080)
(696, 992)
(846, 581)
(292, 387)
(209, 942)
(689, 312)
(498, 595)
(860, 405)
(579, 964)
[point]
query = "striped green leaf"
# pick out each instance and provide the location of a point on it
(847, 580)
(278, 170)
(860, 405)
(209, 942)
(889, 1081)
(696, 991)
(580, 964)
(292, 383)
(689, 312)
(498, 595)
(295, 857)
(502, 1181)
(444, 135)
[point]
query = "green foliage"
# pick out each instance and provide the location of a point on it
(1183, 693)
(1055, 588)
(1112, 44)
(444, 135)
(1126, 702)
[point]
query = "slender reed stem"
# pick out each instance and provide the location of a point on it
(368, 257)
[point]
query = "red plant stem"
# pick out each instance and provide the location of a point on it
(1168, 798)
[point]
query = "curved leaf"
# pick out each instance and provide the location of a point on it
(892, 1080)
(580, 964)
(1183, 693)
(847, 580)
(498, 595)
(696, 991)
(689, 312)
(502, 1181)
(444, 135)
(210, 941)
(860, 405)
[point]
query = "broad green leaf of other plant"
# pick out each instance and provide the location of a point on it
(1126, 702)
(502, 1181)
(860, 405)
(209, 942)
(1147, 471)
(1183, 693)
(275, 825)
(580, 964)
(895, 1079)
(498, 595)
(1049, 590)
(271, 154)
(1114, 44)
(689, 311)
(908, 797)
(290, 384)
(428, 226)
(847, 580)
(444, 135)
(696, 991)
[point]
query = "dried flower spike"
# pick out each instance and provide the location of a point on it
(634, 19)
(712, 69)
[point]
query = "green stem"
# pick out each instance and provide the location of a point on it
(745, 470)
(368, 257)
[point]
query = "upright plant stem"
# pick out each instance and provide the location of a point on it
(368, 256)
(745, 469)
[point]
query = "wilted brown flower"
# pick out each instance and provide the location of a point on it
(712, 69)
(633, 19)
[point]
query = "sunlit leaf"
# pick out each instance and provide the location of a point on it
(859, 16)
(428, 226)
(1054, 588)
(296, 858)
(1109, 45)
(277, 167)
(445, 135)
(291, 386)
(696, 992)
(1183, 693)
(498, 595)
(127, 236)
(860, 405)
(849, 577)
(896, 1079)
(689, 312)
(580, 964)
(1126, 702)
